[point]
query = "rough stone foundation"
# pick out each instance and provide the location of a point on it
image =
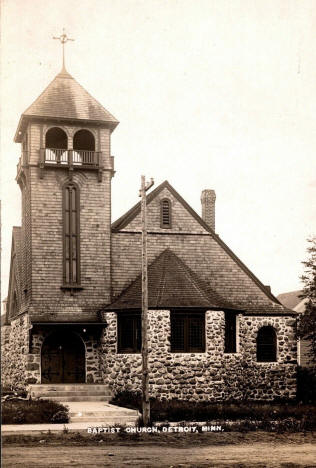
(14, 350)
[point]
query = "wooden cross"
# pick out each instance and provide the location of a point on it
(63, 38)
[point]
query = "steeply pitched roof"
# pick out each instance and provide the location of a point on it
(290, 299)
(124, 220)
(171, 284)
(65, 98)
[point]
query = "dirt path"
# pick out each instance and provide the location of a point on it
(243, 455)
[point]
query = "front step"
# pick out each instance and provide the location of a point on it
(71, 392)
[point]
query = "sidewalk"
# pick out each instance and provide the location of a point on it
(83, 414)
(7, 429)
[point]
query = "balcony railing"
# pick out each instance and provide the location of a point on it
(71, 157)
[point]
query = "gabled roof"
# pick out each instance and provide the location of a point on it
(171, 284)
(64, 98)
(124, 220)
(290, 299)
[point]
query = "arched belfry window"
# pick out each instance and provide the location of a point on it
(56, 138)
(266, 344)
(56, 144)
(71, 210)
(84, 140)
(165, 213)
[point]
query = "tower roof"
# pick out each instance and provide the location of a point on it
(64, 98)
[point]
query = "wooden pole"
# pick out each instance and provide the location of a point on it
(145, 370)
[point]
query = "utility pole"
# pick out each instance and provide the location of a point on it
(145, 371)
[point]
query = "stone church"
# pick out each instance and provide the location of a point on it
(73, 312)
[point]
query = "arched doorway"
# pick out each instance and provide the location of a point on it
(63, 359)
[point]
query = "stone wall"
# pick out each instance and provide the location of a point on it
(14, 351)
(212, 375)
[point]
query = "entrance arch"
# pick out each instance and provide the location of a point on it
(63, 359)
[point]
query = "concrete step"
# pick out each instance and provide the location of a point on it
(67, 387)
(103, 414)
(109, 420)
(71, 393)
(104, 398)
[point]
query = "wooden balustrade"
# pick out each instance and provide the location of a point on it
(71, 157)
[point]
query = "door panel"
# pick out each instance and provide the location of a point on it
(63, 359)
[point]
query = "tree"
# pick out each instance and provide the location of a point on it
(307, 323)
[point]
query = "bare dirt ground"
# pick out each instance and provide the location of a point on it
(257, 455)
(286, 451)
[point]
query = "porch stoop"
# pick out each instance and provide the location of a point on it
(71, 392)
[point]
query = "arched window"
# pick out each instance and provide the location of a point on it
(56, 138)
(165, 213)
(56, 145)
(266, 344)
(84, 140)
(71, 235)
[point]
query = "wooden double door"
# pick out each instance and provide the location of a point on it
(63, 359)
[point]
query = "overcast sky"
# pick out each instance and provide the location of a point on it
(209, 94)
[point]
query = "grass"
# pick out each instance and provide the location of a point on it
(33, 412)
(290, 414)
(172, 439)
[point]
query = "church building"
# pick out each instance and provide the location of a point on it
(74, 302)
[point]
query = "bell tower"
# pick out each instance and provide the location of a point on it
(65, 173)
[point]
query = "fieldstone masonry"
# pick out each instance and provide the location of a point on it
(212, 375)
(14, 352)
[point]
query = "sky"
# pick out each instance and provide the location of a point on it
(216, 94)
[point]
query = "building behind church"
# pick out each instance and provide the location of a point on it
(73, 312)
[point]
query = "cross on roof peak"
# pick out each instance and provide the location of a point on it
(63, 38)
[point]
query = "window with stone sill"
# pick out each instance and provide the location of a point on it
(266, 344)
(187, 332)
(129, 333)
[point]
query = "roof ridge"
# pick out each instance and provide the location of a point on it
(129, 215)
(123, 220)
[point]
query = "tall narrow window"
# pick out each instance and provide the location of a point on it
(266, 345)
(165, 213)
(230, 332)
(71, 235)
